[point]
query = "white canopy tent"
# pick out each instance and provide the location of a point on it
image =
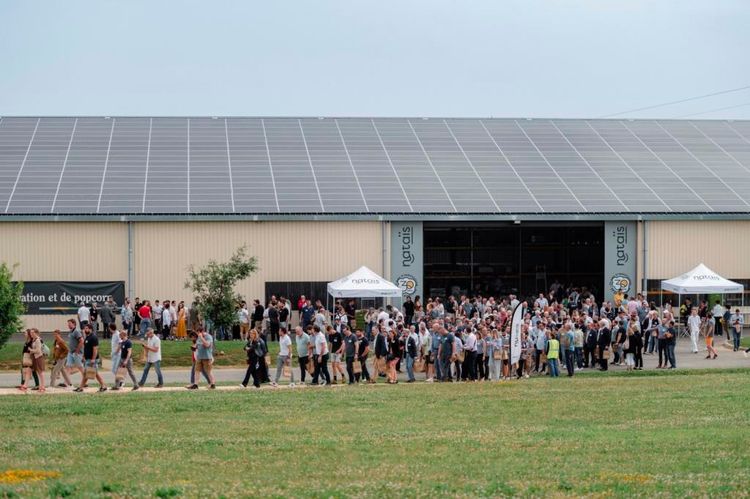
(363, 283)
(701, 281)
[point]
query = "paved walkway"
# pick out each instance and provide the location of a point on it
(231, 377)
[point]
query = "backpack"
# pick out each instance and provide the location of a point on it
(45, 350)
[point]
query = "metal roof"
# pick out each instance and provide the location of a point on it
(371, 168)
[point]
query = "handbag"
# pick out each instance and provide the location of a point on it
(357, 367)
(286, 371)
(606, 355)
(310, 366)
(26, 361)
(504, 355)
(419, 366)
(121, 372)
(543, 358)
(90, 372)
(461, 356)
(626, 344)
(497, 354)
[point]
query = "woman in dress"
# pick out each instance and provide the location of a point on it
(181, 332)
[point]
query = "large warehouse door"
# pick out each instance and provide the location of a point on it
(501, 258)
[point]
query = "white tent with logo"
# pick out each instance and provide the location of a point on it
(363, 283)
(701, 281)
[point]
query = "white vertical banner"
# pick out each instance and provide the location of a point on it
(515, 332)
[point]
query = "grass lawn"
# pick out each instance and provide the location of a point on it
(670, 435)
(174, 353)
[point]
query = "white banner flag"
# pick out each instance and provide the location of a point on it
(515, 332)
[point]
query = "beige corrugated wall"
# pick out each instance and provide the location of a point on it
(676, 247)
(286, 251)
(97, 251)
(48, 251)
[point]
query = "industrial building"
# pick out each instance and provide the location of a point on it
(437, 205)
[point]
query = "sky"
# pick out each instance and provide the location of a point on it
(509, 58)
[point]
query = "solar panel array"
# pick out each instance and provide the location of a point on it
(142, 165)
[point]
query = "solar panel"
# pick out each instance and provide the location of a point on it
(205, 165)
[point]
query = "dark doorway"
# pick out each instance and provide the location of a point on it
(501, 258)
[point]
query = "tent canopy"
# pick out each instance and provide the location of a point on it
(363, 283)
(701, 280)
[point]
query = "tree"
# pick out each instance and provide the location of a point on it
(11, 305)
(213, 287)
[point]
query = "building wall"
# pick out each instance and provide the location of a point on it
(676, 247)
(98, 251)
(286, 251)
(49, 251)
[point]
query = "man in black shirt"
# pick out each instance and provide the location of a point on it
(350, 350)
(362, 352)
(408, 311)
(126, 362)
(257, 319)
(336, 339)
(90, 362)
(273, 320)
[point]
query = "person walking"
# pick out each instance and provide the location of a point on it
(204, 358)
(114, 346)
(708, 332)
(284, 358)
(254, 349)
(59, 354)
(350, 352)
(394, 354)
(670, 340)
(90, 360)
(153, 358)
(125, 362)
(363, 350)
(303, 345)
(694, 326)
(320, 346)
(36, 352)
(74, 360)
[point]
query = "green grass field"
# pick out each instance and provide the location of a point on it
(684, 434)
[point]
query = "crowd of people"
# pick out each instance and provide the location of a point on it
(459, 339)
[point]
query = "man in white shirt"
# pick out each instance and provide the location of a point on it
(470, 351)
(153, 358)
(694, 326)
(83, 315)
(383, 315)
(284, 358)
(166, 321)
(157, 312)
(321, 357)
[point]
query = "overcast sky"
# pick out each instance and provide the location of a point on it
(525, 58)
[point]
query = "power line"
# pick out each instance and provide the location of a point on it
(677, 101)
(714, 110)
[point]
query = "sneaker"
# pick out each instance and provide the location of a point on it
(322, 383)
(526, 376)
(115, 388)
(273, 384)
(102, 389)
(429, 380)
(212, 386)
(291, 385)
(140, 384)
(159, 386)
(79, 389)
(192, 387)
(135, 388)
(62, 385)
(241, 386)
